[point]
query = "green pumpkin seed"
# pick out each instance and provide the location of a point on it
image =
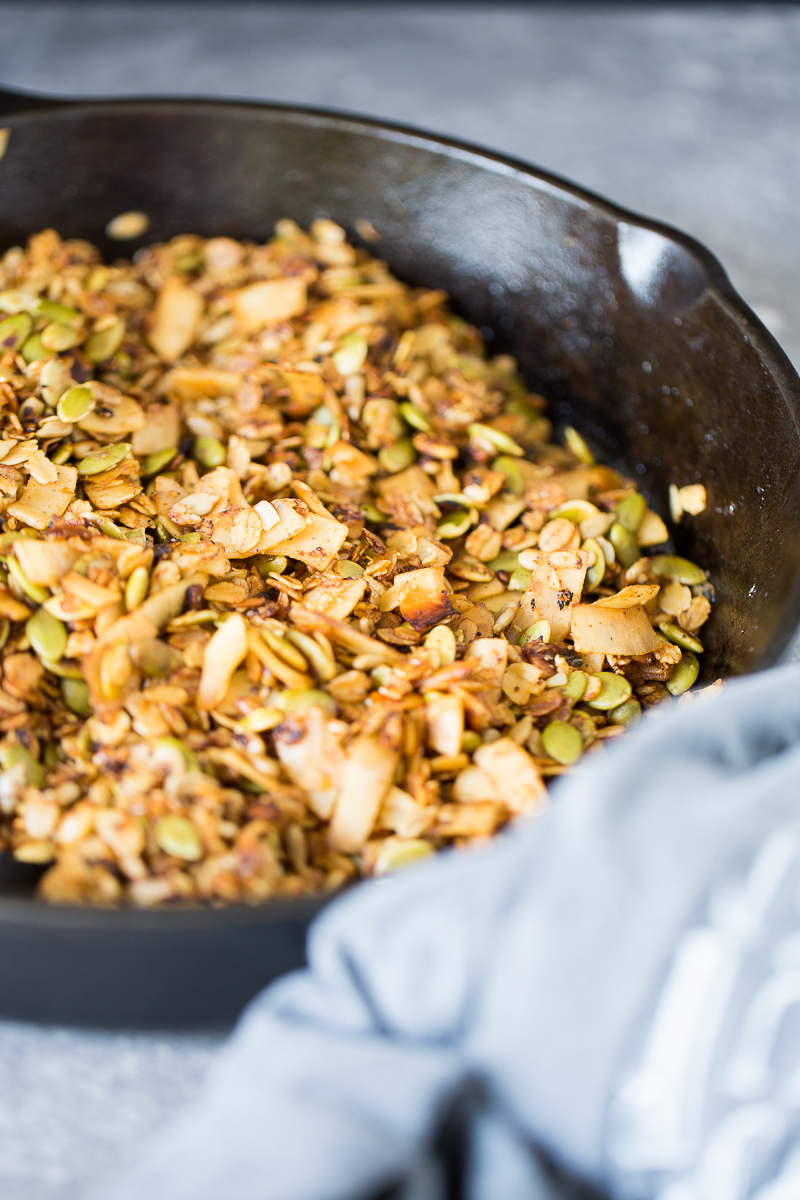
(34, 349)
(346, 569)
(55, 311)
(323, 663)
(578, 446)
(267, 566)
(630, 511)
(457, 498)
(397, 457)
(456, 524)
(47, 635)
(62, 454)
(442, 638)
(32, 590)
(154, 658)
(191, 538)
(75, 404)
(470, 741)
(373, 515)
(12, 754)
(14, 331)
(323, 416)
(107, 526)
(179, 837)
(103, 460)
(684, 675)
(626, 714)
(575, 686)
(62, 669)
(511, 469)
(681, 637)
(615, 690)
(154, 463)
(596, 573)
(173, 743)
(518, 406)
(625, 545)
(104, 343)
(505, 561)
(351, 355)
(562, 742)
(294, 699)
(58, 337)
(285, 650)
(396, 858)
(189, 262)
(208, 452)
(670, 566)
(136, 587)
(573, 510)
(414, 417)
(539, 631)
(500, 441)
(75, 694)
(519, 579)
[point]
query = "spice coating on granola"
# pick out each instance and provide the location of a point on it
(294, 584)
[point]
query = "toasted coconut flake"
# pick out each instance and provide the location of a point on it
(223, 654)
(403, 815)
(312, 757)
(40, 502)
(633, 596)
(472, 785)
(316, 545)
(189, 383)
(237, 530)
(612, 630)
(161, 430)
(41, 468)
(292, 519)
(45, 562)
(514, 775)
(555, 586)
(423, 598)
(267, 303)
(337, 597)
(367, 774)
(444, 713)
(467, 820)
(490, 656)
(177, 315)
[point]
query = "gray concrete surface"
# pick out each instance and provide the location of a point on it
(690, 114)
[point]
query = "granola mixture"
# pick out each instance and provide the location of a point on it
(294, 584)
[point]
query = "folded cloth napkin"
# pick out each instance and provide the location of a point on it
(609, 993)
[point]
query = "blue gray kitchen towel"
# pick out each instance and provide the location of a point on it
(610, 993)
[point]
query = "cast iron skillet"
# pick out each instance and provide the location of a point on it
(632, 330)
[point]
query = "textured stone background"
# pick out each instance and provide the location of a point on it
(688, 113)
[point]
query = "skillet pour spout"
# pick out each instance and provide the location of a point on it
(631, 329)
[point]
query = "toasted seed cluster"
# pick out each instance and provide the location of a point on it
(294, 584)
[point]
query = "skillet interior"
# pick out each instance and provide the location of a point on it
(631, 329)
